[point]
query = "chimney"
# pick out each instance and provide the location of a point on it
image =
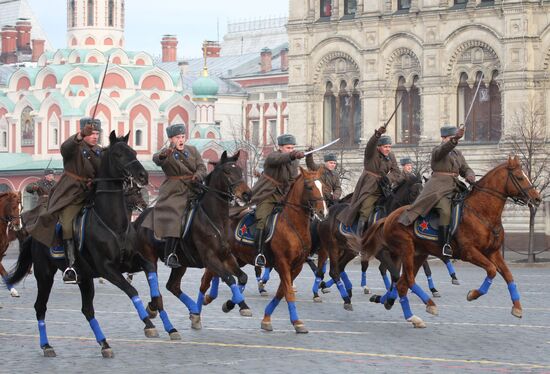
(23, 27)
(9, 45)
(212, 48)
(265, 60)
(37, 49)
(284, 59)
(169, 48)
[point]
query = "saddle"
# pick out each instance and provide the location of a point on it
(377, 213)
(58, 252)
(245, 232)
(187, 219)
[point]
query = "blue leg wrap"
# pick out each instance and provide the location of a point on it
(514, 294)
(430, 282)
(200, 301)
(270, 308)
(237, 295)
(363, 279)
(450, 268)
(189, 303)
(99, 337)
(418, 291)
(214, 287)
(315, 288)
(166, 321)
(292, 311)
(139, 307)
(346, 280)
(390, 294)
(265, 276)
(387, 282)
(8, 285)
(485, 285)
(342, 289)
(153, 284)
(407, 312)
(324, 267)
(42, 331)
(329, 283)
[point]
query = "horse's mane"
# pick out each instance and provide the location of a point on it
(493, 170)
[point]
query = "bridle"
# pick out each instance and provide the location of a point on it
(523, 199)
(227, 195)
(309, 206)
(127, 179)
(9, 220)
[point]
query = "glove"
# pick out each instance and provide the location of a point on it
(296, 154)
(87, 130)
(459, 133)
(385, 181)
(471, 179)
(166, 152)
(196, 178)
(381, 130)
(310, 148)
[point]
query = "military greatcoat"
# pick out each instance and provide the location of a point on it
(332, 189)
(42, 188)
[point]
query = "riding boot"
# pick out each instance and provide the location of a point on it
(445, 240)
(170, 256)
(69, 275)
(259, 244)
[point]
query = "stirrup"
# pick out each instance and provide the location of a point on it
(260, 260)
(67, 279)
(447, 250)
(172, 261)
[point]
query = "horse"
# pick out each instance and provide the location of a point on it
(106, 248)
(478, 240)
(205, 245)
(10, 225)
(287, 250)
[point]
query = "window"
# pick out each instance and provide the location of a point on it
(111, 16)
(461, 2)
(139, 140)
(90, 12)
(408, 115)
(342, 114)
(484, 124)
(27, 127)
(326, 8)
(140, 132)
(72, 13)
(255, 132)
(403, 4)
(53, 132)
(350, 7)
(122, 14)
(272, 131)
(3, 134)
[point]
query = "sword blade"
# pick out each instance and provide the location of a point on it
(322, 147)
(473, 99)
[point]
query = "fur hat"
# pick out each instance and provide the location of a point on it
(405, 161)
(448, 130)
(384, 140)
(330, 157)
(286, 139)
(175, 129)
(95, 122)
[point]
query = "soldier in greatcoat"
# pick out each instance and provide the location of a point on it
(81, 158)
(332, 189)
(447, 164)
(183, 166)
(42, 188)
(280, 170)
(380, 168)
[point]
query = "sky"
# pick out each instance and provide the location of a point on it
(147, 21)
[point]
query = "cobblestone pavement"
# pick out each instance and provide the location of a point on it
(480, 336)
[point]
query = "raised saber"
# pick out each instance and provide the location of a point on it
(473, 101)
(101, 88)
(322, 147)
(394, 111)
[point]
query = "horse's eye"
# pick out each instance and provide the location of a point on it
(520, 178)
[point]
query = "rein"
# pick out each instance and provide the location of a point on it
(503, 196)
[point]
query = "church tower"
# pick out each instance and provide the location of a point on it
(95, 24)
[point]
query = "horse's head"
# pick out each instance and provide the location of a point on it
(229, 178)
(122, 161)
(10, 208)
(313, 193)
(134, 198)
(518, 186)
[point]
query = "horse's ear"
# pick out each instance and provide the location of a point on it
(112, 137)
(126, 137)
(235, 157)
(224, 157)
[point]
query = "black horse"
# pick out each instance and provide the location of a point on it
(206, 243)
(107, 248)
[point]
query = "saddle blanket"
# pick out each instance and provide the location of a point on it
(58, 252)
(245, 231)
(427, 227)
(352, 230)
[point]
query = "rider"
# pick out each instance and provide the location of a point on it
(329, 177)
(280, 170)
(406, 166)
(81, 157)
(380, 170)
(42, 188)
(447, 164)
(183, 166)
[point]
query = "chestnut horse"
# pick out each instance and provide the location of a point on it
(478, 239)
(289, 246)
(10, 222)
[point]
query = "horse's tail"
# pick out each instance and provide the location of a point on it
(370, 244)
(23, 265)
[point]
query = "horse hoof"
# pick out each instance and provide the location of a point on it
(207, 300)
(317, 299)
(516, 312)
(107, 353)
(455, 282)
(472, 295)
(417, 322)
(245, 312)
(325, 290)
(294, 288)
(436, 294)
(151, 333)
(432, 309)
(375, 299)
(14, 293)
(101, 281)
(348, 307)
(266, 326)
(196, 323)
(388, 304)
(366, 290)
(264, 293)
(300, 328)
(226, 308)
(152, 313)
(49, 352)
(175, 335)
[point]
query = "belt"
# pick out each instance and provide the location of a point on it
(272, 180)
(77, 177)
(180, 177)
(373, 174)
(445, 173)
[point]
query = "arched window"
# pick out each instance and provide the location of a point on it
(111, 15)
(139, 140)
(326, 8)
(90, 12)
(342, 114)
(140, 132)
(27, 127)
(329, 114)
(53, 132)
(3, 134)
(484, 124)
(408, 114)
(350, 7)
(72, 13)
(403, 4)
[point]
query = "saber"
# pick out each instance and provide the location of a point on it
(101, 88)
(394, 111)
(473, 101)
(322, 147)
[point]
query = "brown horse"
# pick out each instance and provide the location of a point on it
(478, 239)
(10, 222)
(289, 246)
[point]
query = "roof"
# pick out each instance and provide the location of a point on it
(12, 10)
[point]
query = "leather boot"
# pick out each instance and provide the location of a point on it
(170, 256)
(259, 244)
(69, 275)
(444, 241)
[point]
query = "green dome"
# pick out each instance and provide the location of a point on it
(205, 87)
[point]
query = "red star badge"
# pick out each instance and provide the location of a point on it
(243, 229)
(423, 225)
